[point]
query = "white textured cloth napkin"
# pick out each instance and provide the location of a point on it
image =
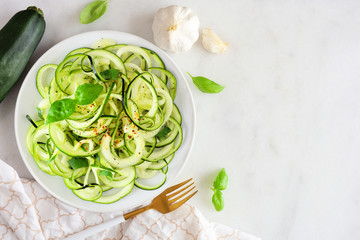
(27, 211)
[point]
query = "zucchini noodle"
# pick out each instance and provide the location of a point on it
(126, 137)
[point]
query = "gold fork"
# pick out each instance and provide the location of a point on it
(167, 201)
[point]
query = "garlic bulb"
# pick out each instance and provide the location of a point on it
(212, 42)
(175, 28)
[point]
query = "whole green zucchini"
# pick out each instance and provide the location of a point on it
(18, 40)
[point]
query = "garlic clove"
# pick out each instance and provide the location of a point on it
(211, 42)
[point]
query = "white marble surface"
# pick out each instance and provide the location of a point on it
(287, 125)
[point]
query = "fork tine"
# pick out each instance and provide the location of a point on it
(172, 194)
(170, 189)
(182, 195)
(179, 203)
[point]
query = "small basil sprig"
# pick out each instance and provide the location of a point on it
(206, 85)
(93, 11)
(62, 109)
(219, 184)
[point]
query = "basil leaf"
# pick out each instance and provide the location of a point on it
(163, 133)
(78, 162)
(40, 113)
(87, 93)
(106, 173)
(60, 110)
(221, 180)
(218, 200)
(206, 85)
(93, 11)
(110, 74)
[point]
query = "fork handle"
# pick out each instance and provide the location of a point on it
(97, 228)
(137, 212)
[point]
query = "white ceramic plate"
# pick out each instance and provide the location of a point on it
(29, 98)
